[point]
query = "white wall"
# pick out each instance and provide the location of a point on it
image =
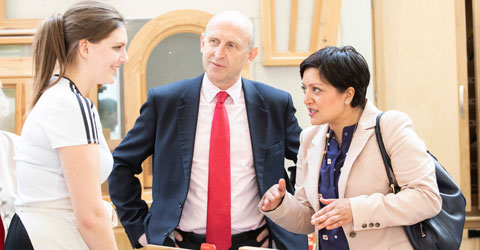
(355, 30)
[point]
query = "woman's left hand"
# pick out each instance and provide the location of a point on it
(336, 213)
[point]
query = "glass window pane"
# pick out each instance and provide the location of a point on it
(175, 58)
(15, 50)
(109, 109)
(8, 122)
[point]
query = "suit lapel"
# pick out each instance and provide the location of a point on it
(365, 130)
(187, 116)
(314, 159)
(257, 123)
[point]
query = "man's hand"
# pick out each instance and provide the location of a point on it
(263, 235)
(143, 240)
(336, 213)
(274, 196)
(178, 237)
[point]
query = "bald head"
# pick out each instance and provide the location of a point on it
(235, 18)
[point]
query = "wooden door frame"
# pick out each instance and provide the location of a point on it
(380, 85)
(142, 45)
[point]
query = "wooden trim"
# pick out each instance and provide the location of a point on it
(330, 19)
(3, 10)
(269, 31)
(25, 32)
(15, 67)
(378, 53)
(19, 24)
(462, 80)
(476, 45)
(472, 222)
(325, 22)
(293, 26)
(15, 24)
(317, 13)
(18, 86)
(7, 40)
(93, 95)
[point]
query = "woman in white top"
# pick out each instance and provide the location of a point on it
(7, 171)
(62, 155)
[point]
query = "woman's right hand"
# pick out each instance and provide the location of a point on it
(274, 196)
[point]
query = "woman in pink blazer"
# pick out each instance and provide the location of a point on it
(342, 190)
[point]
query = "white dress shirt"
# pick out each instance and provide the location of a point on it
(244, 190)
(8, 183)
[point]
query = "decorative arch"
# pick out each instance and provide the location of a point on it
(151, 34)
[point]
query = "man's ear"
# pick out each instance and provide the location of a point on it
(83, 48)
(202, 42)
(252, 54)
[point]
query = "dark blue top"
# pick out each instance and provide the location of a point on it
(328, 184)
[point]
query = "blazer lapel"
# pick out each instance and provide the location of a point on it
(314, 159)
(187, 116)
(365, 130)
(257, 123)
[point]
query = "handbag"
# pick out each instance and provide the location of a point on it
(443, 231)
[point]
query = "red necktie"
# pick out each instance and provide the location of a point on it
(218, 206)
(2, 234)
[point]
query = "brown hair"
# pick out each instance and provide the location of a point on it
(56, 40)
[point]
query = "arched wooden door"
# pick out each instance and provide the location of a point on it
(152, 33)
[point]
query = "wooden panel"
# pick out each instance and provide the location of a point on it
(329, 20)
(16, 67)
(9, 24)
(293, 26)
(18, 86)
(469, 243)
(325, 22)
(412, 76)
(462, 83)
(4, 40)
(476, 39)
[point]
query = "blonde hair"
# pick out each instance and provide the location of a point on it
(56, 40)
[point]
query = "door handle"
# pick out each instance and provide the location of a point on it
(462, 102)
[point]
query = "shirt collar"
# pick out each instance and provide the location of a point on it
(210, 91)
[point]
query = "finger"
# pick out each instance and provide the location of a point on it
(322, 212)
(324, 217)
(177, 235)
(266, 205)
(328, 222)
(271, 196)
(319, 220)
(335, 225)
(265, 244)
(262, 235)
(282, 186)
(326, 201)
(143, 240)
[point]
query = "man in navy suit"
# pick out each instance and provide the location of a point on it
(175, 126)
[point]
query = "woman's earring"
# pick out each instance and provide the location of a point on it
(347, 102)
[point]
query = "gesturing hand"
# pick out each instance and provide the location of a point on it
(143, 240)
(336, 213)
(274, 196)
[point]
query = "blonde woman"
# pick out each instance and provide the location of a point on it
(62, 155)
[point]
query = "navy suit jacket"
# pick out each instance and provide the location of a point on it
(166, 129)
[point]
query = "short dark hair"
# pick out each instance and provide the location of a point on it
(343, 67)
